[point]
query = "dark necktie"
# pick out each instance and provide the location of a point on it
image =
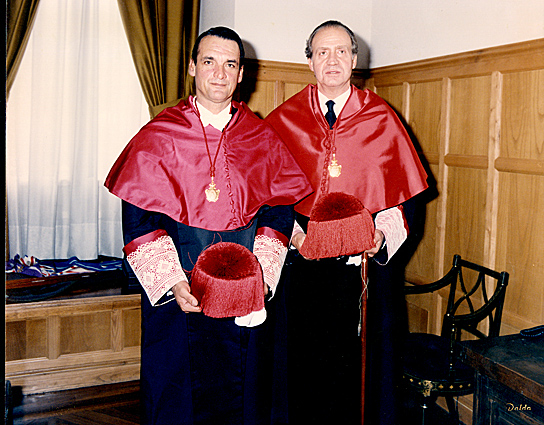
(330, 116)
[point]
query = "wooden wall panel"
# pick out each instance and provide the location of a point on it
(262, 98)
(469, 122)
(27, 339)
(132, 327)
(418, 318)
(465, 213)
(292, 89)
(56, 345)
(520, 247)
(484, 141)
(424, 115)
(423, 111)
(16, 343)
(425, 311)
(266, 84)
(520, 164)
(36, 342)
(394, 96)
(522, 123)
(85, 332)
(424, 264)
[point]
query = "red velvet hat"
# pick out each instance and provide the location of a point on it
(339, 225)
(227, 281)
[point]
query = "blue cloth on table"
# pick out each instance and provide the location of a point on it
(33, 267)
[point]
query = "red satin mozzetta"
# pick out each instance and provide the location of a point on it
(165, 168)
(379, 163)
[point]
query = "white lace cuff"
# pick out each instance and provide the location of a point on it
(271, 253)
(393, 225)
(155, 262)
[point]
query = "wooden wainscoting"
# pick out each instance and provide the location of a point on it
(267, 84)
(478, 120)
(72, 343)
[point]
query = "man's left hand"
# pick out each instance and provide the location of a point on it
(378, 241)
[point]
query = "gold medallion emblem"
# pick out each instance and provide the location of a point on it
(212, 193)
(335, 169)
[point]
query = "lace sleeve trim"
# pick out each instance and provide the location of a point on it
(156, 265)
(393, 225)
(271, 254)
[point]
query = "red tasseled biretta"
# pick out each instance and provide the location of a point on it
(227, 280)
(339, 225)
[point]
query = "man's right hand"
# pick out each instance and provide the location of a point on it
(186, 301)
(298, 239)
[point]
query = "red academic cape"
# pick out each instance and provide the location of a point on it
(379, 163)
(165, 168)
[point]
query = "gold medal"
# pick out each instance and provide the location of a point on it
(335, 169)
(212, 193)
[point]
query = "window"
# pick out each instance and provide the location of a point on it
(75, 103)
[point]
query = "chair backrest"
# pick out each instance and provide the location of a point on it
(477, 293)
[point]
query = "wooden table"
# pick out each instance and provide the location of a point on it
(86, 336)
(509, 379)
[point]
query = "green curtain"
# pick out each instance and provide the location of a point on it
(161, 34)
(20, 18)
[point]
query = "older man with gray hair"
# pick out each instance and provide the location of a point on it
(350, 141)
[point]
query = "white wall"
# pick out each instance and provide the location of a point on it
(278, 29)
(404, 31)
(397, 31)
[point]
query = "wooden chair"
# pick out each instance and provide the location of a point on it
(431, 363)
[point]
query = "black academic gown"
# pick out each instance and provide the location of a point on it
(196, 369)
(323, 362)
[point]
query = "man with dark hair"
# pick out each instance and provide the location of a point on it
(221, 32)
(350, 141)
(206, 171)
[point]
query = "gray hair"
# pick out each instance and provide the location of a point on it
(331, 24)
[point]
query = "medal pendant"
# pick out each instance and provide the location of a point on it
(334, 168)
(212, 193)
